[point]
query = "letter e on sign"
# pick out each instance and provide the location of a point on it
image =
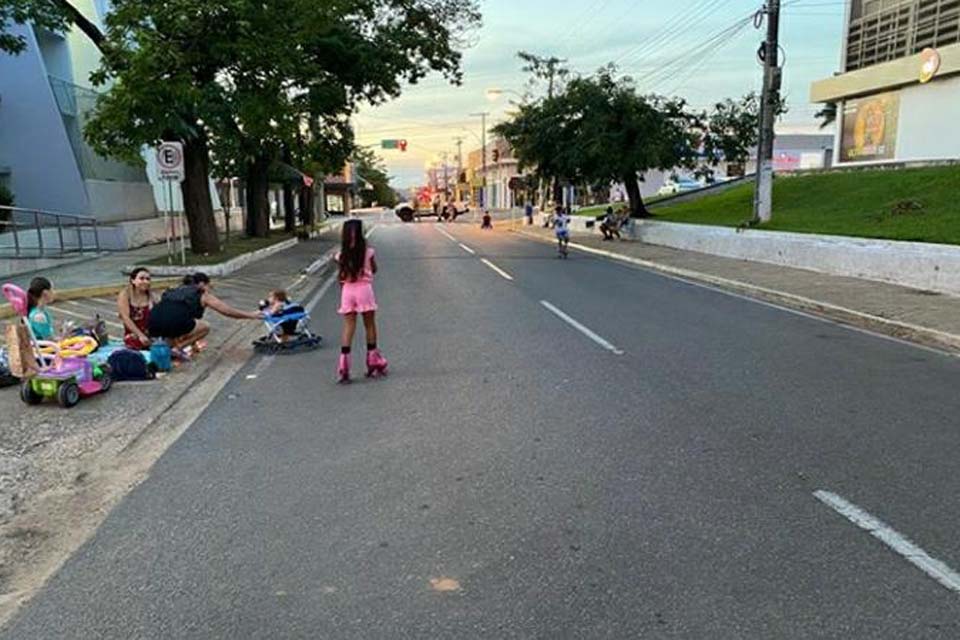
(170, 161)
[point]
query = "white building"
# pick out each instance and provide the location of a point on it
(45, 95)
(898, 90)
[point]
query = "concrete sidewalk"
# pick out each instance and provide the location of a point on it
(924, 317)
(62, 470)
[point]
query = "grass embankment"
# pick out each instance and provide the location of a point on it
(921, 205)
(600, 209)
(236, 246)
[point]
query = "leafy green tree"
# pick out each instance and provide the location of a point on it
(600, 129)
(732, 129)
(371, 169)
(241, 77)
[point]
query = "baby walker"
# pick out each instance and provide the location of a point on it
(287, 331)
(64, 373)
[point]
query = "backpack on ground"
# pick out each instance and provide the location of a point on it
(127, 364)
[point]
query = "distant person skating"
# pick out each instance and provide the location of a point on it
(357, 265)
(561, 227)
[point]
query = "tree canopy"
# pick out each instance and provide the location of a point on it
(251, 81)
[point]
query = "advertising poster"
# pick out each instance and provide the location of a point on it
(870, 128)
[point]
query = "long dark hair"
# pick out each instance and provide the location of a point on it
(35, 292)
(195, 279)
(353, 251)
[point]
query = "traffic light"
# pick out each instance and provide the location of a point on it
(496, 155)
(402, 144)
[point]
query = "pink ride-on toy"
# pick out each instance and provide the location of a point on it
(66, 379)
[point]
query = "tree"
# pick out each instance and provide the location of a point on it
(371, 169)
(232, 76)
(600, 129)
(732, 129)
(53, 15)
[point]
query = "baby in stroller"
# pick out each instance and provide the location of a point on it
(288, 325)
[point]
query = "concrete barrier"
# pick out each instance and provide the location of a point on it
(919, 265)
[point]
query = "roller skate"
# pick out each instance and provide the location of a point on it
(376, 364)
(343, 368)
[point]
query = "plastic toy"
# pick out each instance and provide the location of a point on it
(68, 379)
(75, 347)
(287, 332)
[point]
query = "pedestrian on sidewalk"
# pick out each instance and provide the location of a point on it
(178, 315)
(528, 213)
(134, 303)
(357, 264)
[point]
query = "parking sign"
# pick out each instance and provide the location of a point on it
(170, 161)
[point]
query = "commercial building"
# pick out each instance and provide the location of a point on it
(45, 96)
(501, 167)
(898, 91)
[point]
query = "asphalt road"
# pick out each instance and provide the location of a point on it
(655, 480)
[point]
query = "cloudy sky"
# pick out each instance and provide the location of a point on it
(689, 48)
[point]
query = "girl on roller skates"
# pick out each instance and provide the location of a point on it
(357, 264)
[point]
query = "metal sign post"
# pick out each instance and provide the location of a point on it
(170, 169)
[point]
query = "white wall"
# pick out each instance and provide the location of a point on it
(929, 126)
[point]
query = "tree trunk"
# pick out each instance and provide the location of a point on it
(198, 208)
(258, 202)
(637, 208)
(88, 28)
(310, 213)
(303, 197)
(289, 213)
(557, 192)
(289, 209)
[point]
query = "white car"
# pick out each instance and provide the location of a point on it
(679, 185)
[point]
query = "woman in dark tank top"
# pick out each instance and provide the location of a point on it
(178, 315)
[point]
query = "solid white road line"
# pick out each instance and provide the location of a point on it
(496, 268)
(467, 249)
(885, 534)
(444, 232)
(373, 228)
(582, 329)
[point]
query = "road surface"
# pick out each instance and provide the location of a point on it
(563, 449)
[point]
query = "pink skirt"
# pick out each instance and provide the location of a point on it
(357, 297)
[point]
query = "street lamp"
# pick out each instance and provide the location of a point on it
(494, 93)
(483, 152)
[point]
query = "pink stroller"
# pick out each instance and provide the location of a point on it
(66, 379)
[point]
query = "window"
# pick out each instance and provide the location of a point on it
(883, 30)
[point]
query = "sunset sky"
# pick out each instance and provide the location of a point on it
(640, 36)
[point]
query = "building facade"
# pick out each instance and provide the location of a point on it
(501, 167)
(898, 90)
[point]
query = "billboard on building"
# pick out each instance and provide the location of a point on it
(870, 128)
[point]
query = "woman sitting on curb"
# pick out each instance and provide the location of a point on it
(134, 304)
(177, 317)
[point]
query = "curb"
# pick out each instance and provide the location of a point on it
(224, 268)
(893, 328)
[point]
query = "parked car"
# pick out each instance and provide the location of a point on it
(678, 185)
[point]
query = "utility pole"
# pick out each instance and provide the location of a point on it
(770, 100)
(446, 178)
(483, 143)
(459, 141)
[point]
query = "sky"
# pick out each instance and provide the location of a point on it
(641, 36)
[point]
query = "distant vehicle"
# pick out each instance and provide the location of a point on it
(410, 211)
(678, 185)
